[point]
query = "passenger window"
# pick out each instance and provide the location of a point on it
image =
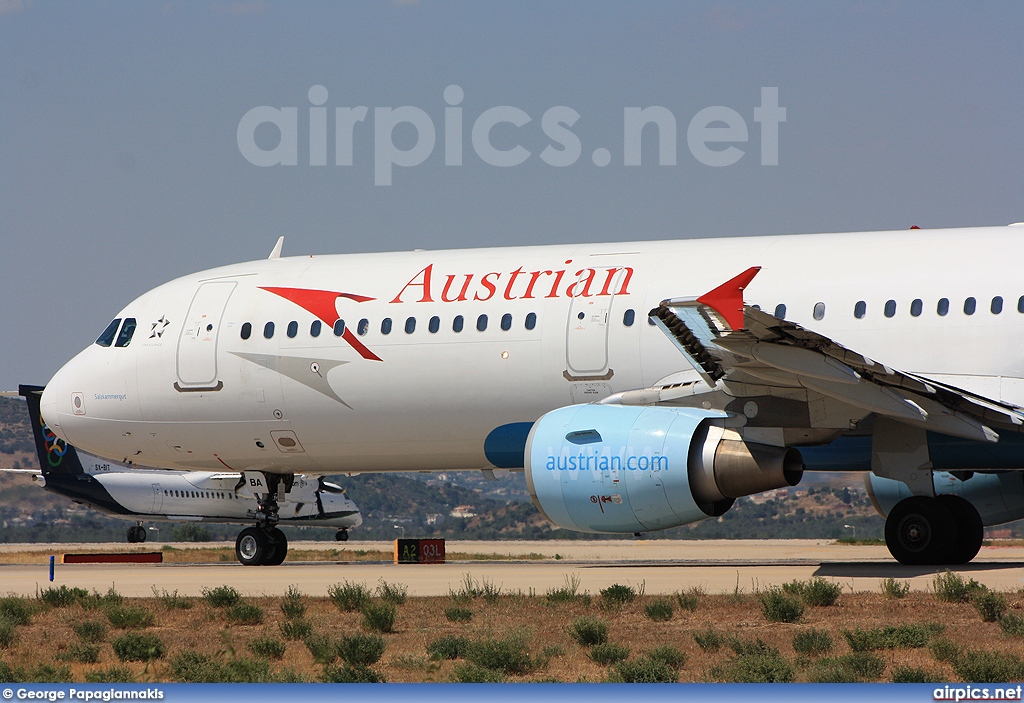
(410, 325)
(314, 328)
(1020, 304)
(481, 323)
(127, 330)
(860, 309)
(629, 317)
(819, 311)
(385, 326)
(890, 308)
(268, 330)
(246, 330)
(457, 324)
(531, 320)
(364, 327)
(916, 306)
(506, 322)
(339, 328)
(293, 329)
(780, 311)
(943, 307)
(997, 305)
(434, 325)
(107, 338)
(970, 305)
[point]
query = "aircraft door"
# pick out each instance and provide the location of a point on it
(158, 498)
(197, 343)
(586, 337)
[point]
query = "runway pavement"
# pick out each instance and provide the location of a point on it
(663, 566)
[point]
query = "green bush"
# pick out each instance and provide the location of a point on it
(190, 533)
(194, 667)
(96, 601)
(292, 605)
(913, 674)
(708, 640)
(506, 654)
(589, 631)
(618, 594)
(991, 606)
(755, 662)
(8, 674)
(46, 673)
(81, 652)
(361, 650)
(8, 633)
(1012, 625)
(62, 596)
(456, 614)
(379, 617)
(111, 674)
(90, 630)
(907, 636)
(244, 614)
(322, 647)
(851, 668)
(448, 647)
(467, 672)
(608, 653)
(821, 593)
(129, 617)
(568, 593)
(659, 610)
(777, 606)
(351, 674)
(988, 667)
(295, 629)
(644, 670)
(392, 592)
(172, 601)
(944, 650)
(16, 610)
(222, 596)
(137, 647)
(891, 588)
(952, 588)
(266, 647)
(690, 599)
(349, 596)
(668, 655)
(812, 642)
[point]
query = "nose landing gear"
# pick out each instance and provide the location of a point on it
(136, 533)
(265, 544)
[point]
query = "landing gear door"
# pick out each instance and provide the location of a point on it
(197, 343)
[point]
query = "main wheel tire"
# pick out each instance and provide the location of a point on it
(341, 536)
(921, 530)
(280, 548)
(252, 547)
(969, 527)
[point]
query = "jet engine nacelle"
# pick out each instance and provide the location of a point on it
(998, 497)
(623, 469)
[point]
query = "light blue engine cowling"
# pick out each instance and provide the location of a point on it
(998, 497)
(627, 469)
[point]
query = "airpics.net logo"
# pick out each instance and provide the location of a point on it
(712, 134)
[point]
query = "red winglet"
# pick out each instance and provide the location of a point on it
(727, 299)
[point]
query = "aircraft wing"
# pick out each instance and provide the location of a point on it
(731, 344)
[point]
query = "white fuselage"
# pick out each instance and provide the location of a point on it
(189, 392)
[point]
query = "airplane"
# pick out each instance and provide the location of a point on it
(632, 402)
(147, 494)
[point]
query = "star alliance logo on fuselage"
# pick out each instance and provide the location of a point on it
(157, 330)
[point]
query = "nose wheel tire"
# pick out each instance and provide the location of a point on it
(136, 533)
(280, 548)
(922, 531)
(253, 546)
(341, 536)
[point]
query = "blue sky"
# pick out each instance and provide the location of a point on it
(120, 165)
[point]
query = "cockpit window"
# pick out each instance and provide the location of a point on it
(127, 330)
(107, 338)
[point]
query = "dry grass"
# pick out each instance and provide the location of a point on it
(421, 620)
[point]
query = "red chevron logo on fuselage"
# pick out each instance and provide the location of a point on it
(321, 303)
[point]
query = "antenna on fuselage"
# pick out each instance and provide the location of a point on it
(276, 253)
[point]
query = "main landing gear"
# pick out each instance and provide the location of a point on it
(136, 533)
(341, 535)
(924, 530)
(265, 544)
